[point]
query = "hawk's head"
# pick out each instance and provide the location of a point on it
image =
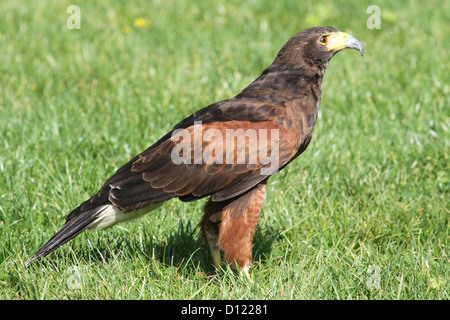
(317, 46)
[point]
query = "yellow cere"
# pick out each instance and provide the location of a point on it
(336, 40)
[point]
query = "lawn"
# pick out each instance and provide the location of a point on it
(362, 214)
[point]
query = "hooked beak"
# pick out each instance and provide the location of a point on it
(342, 40)
(353, 43)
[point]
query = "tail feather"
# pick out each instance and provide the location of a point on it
(88, 216)
(73, 227)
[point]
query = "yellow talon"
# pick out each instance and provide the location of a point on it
(217, 260)
(247, 274)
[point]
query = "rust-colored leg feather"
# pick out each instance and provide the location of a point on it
(230, 226)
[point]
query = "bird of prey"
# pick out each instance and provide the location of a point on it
(225, 151)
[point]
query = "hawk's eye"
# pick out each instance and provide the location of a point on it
(323, 39)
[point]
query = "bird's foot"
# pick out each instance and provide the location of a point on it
(245, 271)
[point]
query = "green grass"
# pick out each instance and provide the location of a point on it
(371, 190)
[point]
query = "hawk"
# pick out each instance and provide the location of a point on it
(226, 151)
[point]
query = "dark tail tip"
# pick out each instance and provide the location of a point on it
(78, 223)
(55, 242)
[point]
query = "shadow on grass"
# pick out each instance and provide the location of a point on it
(183, 248)
(186, 246)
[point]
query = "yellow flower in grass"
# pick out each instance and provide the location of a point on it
(140, 22)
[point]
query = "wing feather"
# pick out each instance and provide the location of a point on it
(185, 163)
